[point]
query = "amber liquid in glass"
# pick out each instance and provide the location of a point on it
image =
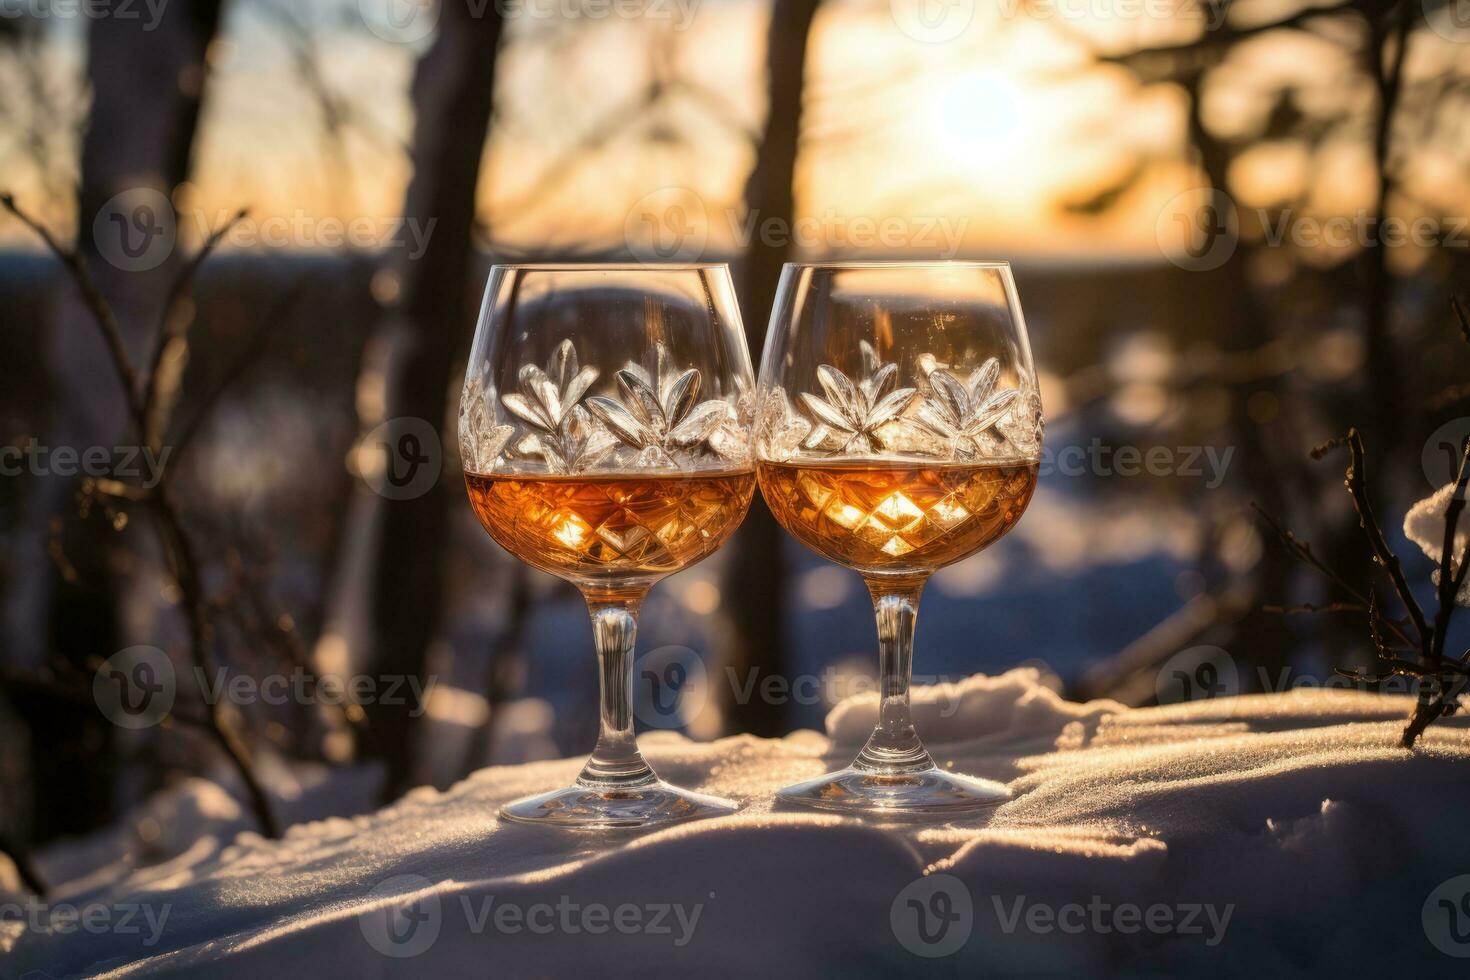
(611, 531)
(895, 517)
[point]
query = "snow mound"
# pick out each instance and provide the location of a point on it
(1019, 704)
(1286, 832)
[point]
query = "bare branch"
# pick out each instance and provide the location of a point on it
(1355, 480)
(170, 347)
(177, 545)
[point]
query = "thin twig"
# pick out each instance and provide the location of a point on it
(1302, 551)
(1355, 480)
(173, 329)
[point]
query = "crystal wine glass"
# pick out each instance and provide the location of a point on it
(898, 430)
(605, 432)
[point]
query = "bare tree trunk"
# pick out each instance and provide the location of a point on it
(453, 95)
(1387, 43)
(147, 81)
(756, 579)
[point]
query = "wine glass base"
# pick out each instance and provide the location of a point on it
(924, 792)
(587, 808)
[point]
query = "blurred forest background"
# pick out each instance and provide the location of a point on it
(1237, 229)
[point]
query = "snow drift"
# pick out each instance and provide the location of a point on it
(1286, 834)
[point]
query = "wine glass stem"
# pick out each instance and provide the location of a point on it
(616, 761)
(894, 746)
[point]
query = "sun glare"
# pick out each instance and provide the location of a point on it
(977, 119)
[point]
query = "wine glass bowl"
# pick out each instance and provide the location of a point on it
(605, 433)
(899, 431)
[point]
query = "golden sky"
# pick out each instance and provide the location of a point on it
(968, 143)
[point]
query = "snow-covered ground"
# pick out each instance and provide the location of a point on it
(1280, 835)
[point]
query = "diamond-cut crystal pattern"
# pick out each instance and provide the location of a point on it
(595, 525)
(896, 516)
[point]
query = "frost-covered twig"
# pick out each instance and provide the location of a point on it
(1442, 680)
